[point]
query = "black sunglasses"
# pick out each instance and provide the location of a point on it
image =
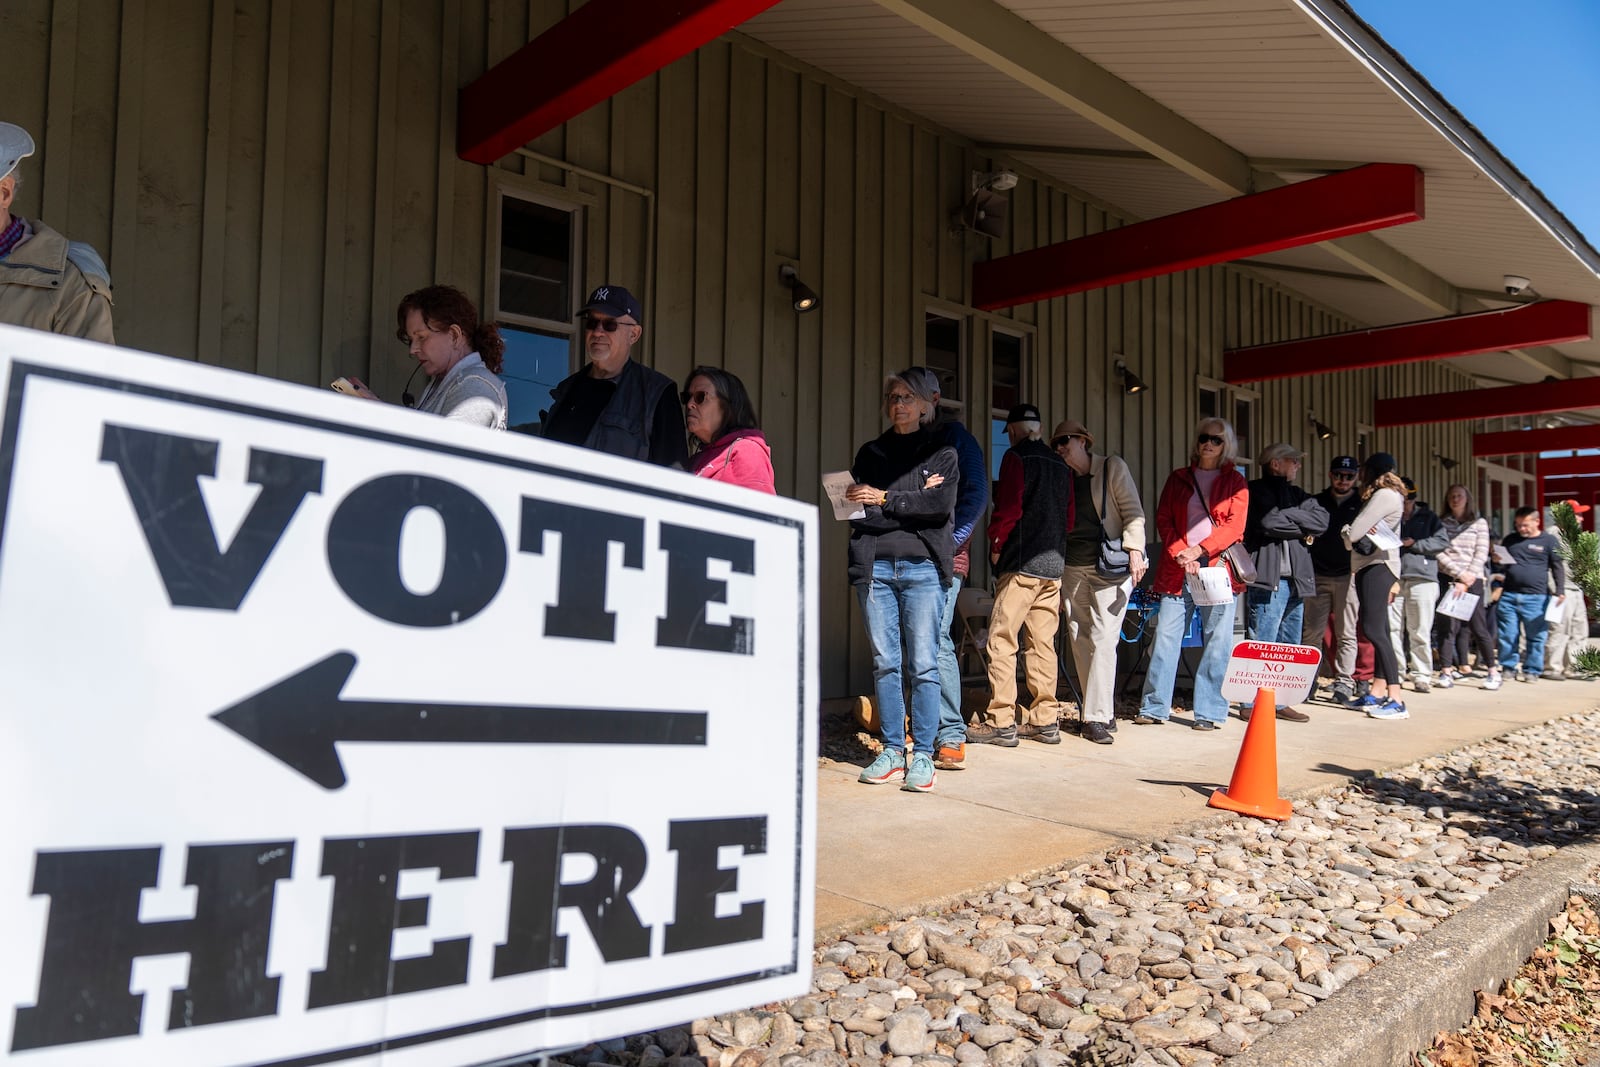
(608, 325)
(1063, 440)
(1209, 439)
(699, 396)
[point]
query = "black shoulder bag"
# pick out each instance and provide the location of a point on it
(1113, 560)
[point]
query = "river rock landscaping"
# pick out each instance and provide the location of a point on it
(1182, 951)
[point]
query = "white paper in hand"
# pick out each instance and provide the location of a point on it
(1384, 538)
(1210, 585)
(1458, 605)
(1502, 556)
(836, 484)
(1554, 610)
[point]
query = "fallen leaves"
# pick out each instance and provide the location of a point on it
(1548, 1013)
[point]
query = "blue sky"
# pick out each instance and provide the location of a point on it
(1526, 73)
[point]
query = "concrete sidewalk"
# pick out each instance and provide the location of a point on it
(882, 852)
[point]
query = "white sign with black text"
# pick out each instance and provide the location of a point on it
(340, 733)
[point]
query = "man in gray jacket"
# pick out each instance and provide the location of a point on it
(1422, 538)
(46, 282)
(1283, 517)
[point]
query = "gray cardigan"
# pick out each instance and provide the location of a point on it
(468, 392)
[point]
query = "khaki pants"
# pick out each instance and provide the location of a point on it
(1094, 608)
(1021, 600)
(1569, 636)
(1333, 597)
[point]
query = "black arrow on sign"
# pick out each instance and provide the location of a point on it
(299, 720)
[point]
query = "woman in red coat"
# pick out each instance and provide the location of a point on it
(1201, 513)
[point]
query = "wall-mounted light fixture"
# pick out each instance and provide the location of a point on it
(1318, 427)
(805, 297)
(1131, 382)
(1445, 461)
(984, 210)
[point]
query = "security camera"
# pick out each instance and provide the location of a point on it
(1516, 284)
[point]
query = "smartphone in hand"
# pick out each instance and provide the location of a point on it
(349, 386)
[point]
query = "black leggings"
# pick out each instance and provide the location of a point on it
(1373, 583)
(1459, 634)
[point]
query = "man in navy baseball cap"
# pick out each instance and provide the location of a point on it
(615, 404)
(1330, 562)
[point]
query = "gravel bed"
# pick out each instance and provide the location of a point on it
(1183, 951)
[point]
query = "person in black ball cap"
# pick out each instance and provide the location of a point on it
(615, 404)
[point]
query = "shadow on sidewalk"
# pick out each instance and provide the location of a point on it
(1485, 803)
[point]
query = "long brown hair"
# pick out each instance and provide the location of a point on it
(1469, 513)
(444, 306)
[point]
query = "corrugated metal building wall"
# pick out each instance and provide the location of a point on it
(268, 177)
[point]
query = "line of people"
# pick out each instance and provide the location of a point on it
(1362, 565)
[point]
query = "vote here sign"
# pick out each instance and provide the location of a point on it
(1290, 671)
(339, 733)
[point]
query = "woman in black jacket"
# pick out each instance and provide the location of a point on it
(900, 560)
(1282, 517)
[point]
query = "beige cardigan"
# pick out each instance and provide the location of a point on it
(1126, 518)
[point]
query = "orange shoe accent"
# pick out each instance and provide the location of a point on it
(1254, 788)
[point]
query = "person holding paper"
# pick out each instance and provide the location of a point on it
(1373, 538)
(1525, 595)
(726, 443)
(900, 565)
(1283, 517)
(1422, 538)
(1462, 568)
(1332, 602)
(1200, 516)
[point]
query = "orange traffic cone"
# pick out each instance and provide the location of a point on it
(1254, 789)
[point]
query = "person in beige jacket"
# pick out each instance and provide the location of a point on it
(1107, 507)
(46, 282)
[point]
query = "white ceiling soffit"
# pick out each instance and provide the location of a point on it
(1158, 106)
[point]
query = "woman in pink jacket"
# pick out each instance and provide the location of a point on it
(725, 438)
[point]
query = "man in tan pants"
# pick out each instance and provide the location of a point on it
(1027, 536)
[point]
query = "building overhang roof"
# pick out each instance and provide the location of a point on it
(1157, 106)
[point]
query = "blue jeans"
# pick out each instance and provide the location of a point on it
(1274, 616)
(1216, 624)
(952, 725)
(904, 600)
(1526, 609)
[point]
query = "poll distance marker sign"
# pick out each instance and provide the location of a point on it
(1290, 671)
(339, 733)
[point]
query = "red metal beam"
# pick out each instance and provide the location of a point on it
(1579, 489)
(1568, 466)
(589, 56)
(1549, 322)
(1534, 399)
(1320, 209)
(1516, 442)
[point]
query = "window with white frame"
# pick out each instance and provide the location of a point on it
(535, 243)
(1009, 378)
(943, 353)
